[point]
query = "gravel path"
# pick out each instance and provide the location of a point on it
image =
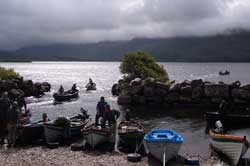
(63, 156)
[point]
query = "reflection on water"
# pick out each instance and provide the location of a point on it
(105, 74)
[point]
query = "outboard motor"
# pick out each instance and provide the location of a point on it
(219, 126)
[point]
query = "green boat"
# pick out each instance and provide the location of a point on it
(131, 133)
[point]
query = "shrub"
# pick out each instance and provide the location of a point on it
(142, 65)
(7, 74)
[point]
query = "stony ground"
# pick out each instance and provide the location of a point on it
(63, 156)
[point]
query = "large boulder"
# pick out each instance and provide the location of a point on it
(162, 85)
(115, 90)
(197, 83)
(246, 87)
(186, 90)
(175, 88)
(216, 90)
(136, 82)
(241, 94)
(172, 97)
(124, 100)
(148, 91)
(160, 92)
(197, 92)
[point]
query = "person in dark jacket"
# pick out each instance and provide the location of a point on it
(45, 118)
(100, 108)
(21, 103)
(73, 88)
(61, 90)
(4, 108)
(12, 118)
(110, 116)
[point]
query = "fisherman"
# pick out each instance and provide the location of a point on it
(100, 108)
(110, 116)
(73, 89)
(12, 118)
(91, 82)
(218, 127)
(4, 108)
(61, 90)
(21, 103)
(45, 118)
(84, 113)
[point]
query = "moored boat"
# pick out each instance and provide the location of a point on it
(66, 96)
(224, 73)
(162, 144)
(58, 133)
(228, 120)
(131, 133)
(233, 147)
(29, 133)
(95, 135)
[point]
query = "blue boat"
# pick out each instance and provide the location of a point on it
(162, 144)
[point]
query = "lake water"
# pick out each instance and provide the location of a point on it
(105, 74)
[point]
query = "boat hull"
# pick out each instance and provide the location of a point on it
(29, 133)
(130, 133)
(95, 136)
(66, 96)
(233, 147)
(156, 149)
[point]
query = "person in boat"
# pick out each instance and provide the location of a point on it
(45, 118)
(61, 90)
(100, 109)
(73, 89)
(12, 118)
(91, 84)
(84, 114)
(4, 108)
(110, 116)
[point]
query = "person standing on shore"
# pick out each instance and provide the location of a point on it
(4, 108)
(100, 108)
(12, 119)
(110, 116)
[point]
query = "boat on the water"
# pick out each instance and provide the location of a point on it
(95, 135)
(28, 133)
(162, 144)
(228, 120)
(232, 146)
(66, 96)
(224, 73)
(90, 87)
(55, 133)
(131, 133)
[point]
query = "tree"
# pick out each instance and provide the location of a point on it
(143, 65)
(7, 74)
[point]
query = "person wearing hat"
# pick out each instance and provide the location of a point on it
(12, 120)
(4, 108)
(100, 109)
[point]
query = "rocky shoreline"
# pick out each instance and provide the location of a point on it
(63, 156)
(19, 87)
(150, 92)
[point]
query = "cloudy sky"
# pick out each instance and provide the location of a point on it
(38, 22)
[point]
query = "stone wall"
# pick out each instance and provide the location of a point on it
(139, 91)
(27, 88)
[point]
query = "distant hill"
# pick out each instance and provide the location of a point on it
(234, 47)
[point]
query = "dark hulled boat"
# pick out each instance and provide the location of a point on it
(228, 120)
(90, 87)
(66, 96)
(131, 133)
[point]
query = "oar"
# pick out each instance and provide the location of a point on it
(164, 156)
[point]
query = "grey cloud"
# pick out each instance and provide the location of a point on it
(29, 22)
